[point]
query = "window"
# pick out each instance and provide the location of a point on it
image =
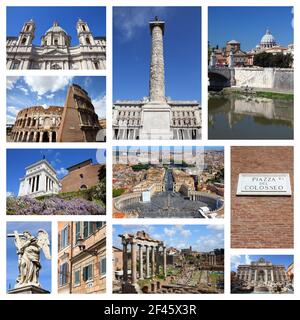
(56, 42)
(15, 64)
(87, 40)
(81, 175)
(23, 41)
(85, 229)
(77, 231)
(83, 27)
(87, 272)
(99, 224)
(83, 187)
(89, 228)
(102, 266)
(63, 274)
(64, 237)
(77, 277)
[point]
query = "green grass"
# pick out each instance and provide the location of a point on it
(259, 94)
(275, 95)
(118, 192)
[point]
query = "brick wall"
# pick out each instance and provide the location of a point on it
(261, 221)
(84, 176)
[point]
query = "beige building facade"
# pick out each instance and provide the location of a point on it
(82, 257)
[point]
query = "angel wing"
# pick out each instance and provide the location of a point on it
(44, 243)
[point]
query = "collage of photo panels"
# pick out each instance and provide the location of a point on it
(153, 172)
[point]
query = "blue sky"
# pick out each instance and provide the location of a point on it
(202, 238)
(60, 159)
(237, 260)
(28, 91)
(182, 49)
(249, 24)
(67, 18)
(12, 258)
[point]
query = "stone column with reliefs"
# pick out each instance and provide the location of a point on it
(157, 67)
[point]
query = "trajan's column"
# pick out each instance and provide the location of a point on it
(156, 114)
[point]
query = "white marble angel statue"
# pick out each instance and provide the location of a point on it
(28, 251)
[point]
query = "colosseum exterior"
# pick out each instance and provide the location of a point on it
(76, 121)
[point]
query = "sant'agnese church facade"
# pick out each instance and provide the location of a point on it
(55, 51)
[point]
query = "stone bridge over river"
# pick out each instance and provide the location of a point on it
(275, 79)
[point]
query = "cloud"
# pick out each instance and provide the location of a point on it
(87, 81)
(42, 85)
(170, 232)
(216, 227)
(210, 242)
(131, 20)
(13, 110)
(62, 172)
(100, 106)
(237, 260)
(23, 89)
(10, 82)
(10, 119)
(185, 233)
(9, 194)
(50, 96)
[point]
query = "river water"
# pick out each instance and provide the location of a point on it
(249, 117)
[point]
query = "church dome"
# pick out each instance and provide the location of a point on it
(56, 28)
(268, 39)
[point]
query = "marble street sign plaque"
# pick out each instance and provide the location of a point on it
(264, 184)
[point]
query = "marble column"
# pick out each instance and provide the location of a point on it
(266, 275)
(133, 263)
(147, 262)
(157, 261)
(165, 261)
(153, 261)
(125, 262)
(157, 72)
(272, 276)
(141, 261)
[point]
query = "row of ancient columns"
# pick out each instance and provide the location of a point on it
(212, 259)
(37, 136)
(152, 263)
